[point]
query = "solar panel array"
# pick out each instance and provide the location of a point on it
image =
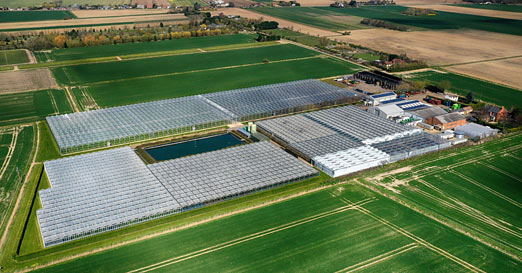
(105, 127)
(100, 191)
(231, 172)
(275, 99)
(107, 190)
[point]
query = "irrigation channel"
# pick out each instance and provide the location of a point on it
(193, 146)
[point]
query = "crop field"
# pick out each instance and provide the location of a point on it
(343, 228)
(444, 20)
(120, 70)
(189, 3)
(476, 190)
(33, 15)
(295, 36)
(32, 106)
(19, 143)
(172, 86)
(23, 80)
(38, 3)
(481, 90)
(502, 7)
(315, 17)
(67, 54)
(13, 57)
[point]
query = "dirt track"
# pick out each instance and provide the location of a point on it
(115, 12)
(506, 71)
(91, 21)
(282, 23)
(472, 11)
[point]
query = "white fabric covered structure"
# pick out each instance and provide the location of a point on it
(476, 131)
(350, 161)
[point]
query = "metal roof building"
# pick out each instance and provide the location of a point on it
(426, 112)
(349, 161)
(476, 131)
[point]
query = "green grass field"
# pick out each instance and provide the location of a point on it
(319, 232)
(66, 54)
(482, 90)
(17, 163)
(189, 3)
(13, 57)
(140, 68)
(444, 20)
(38, 3)
(157, 88)
(295, 36)
(26, 107)
(502, 7)
(366, 56)
(476, 190)
(32, 15)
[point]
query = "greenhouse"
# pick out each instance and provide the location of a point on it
(97, 192)
(124, 124)
(406, 147)
(476, 131)
(281, 98)
(229, 173)
(107, 190)
(117, 125)
(361, 125)
(350, 161)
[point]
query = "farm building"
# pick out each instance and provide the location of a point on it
(494, 113)
(425, 113)
(117, 125)
(384, 80)
(464, 110)
(447, 121)
(476, 131)
(107, 190)
(380, 98)
(387, 111)
(347, 139)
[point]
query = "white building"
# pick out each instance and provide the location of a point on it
(378, 98)
(387, 111)
(350, 161)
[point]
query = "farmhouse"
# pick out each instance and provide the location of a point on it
(494, 113)
(447, 121)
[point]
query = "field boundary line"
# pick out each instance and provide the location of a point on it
(53, 102)
(201, 70)
(251, 237)
(487, 188)
(416, 238)
(10, 152)
(379, 258)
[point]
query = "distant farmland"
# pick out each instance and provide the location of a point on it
(444, 20)
(502, 7)
(138, 48)
(33, 15)
(482, 90)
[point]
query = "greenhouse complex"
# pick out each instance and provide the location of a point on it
(107, 190)
(124, 124)
(344, 140)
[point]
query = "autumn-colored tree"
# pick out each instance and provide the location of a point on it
(89, 40)
(59, 41)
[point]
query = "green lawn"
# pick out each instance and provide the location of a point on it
(481, 196)
(367, 56)
(316, 233)
(26, 107)
(482, 90)
(157, 88)
(33, 15)
(502, 7)
(139, 68)
(13, 57)
(66, 54)
(444, 20)
(295, 36)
